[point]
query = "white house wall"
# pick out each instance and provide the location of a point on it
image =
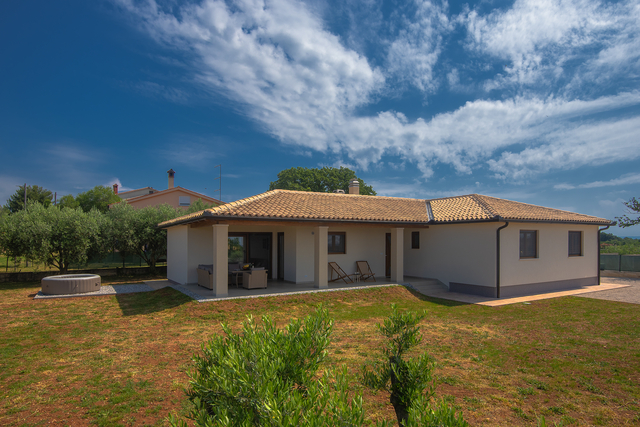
(362, 244)
(177, 242)
(553, 268)
(457, 253)
(200, 251)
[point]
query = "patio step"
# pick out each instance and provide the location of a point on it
(429, 286)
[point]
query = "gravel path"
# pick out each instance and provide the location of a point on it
(630, 294)
(104, 290)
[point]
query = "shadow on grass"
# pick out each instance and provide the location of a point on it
(151, 302)
(12, 286)
(439, 301)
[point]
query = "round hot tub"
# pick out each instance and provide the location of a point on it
(70, 284)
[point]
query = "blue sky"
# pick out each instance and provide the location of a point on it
(534, 101)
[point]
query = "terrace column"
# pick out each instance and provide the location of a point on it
(397, 255)
(320, 266)
(221, 260)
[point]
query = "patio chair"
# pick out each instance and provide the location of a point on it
(340, 272)
(205, 275)
(365, 271)
(255, 278)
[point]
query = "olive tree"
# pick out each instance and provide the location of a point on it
(135, 231)
(57, 237)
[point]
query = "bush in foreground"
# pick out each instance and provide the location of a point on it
(265, 376)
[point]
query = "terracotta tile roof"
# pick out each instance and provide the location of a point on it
(476, 207)
(300, 205)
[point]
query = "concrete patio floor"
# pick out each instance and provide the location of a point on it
(278, 287)
(427, 287)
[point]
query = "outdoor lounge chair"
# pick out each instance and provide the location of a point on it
(340, 272)
(365, 271)
(255, 278)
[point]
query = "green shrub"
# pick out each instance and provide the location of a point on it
(409, 382)
(265, 376)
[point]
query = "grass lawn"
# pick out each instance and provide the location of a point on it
(122, 360)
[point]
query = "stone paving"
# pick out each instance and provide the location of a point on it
(630, 293)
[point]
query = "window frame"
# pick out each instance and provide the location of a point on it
(331, 242)
(523, 234)
(581, 244)
(415, 240)
(184, 204)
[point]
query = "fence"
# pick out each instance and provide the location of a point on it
(617, 262)
(112, 260)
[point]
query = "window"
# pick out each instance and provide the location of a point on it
(415, 240)
(337, 242)
(184, 200)
(528, 244)
(575, 243)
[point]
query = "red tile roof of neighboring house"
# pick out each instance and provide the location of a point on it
(204, 198)
(331, 207)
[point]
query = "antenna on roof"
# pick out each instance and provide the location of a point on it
(220, 178)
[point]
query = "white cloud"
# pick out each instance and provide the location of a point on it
(277, 62)
(627, 179)
(538, 38)
(121, 187)
(414, 53)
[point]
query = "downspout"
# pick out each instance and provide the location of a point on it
(506, 223)
(599, 230)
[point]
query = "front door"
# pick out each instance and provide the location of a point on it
(387, 255)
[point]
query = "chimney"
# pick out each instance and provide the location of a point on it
(171, 173)
(115, 188)
(354, 186)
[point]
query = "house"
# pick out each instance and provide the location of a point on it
(473, 243)
(174, 196)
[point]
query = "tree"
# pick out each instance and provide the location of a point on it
(633, 208)
(409, 381)
(57, 237)
(99, 197)
(34, 193)
(265, 376)
(68, 201)
(324, 180)
(198, 206)
(135, 231)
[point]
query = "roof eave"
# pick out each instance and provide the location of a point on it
(207, 216)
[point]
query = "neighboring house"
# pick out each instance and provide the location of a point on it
(174, 196)
(474, 244)
(125, 195)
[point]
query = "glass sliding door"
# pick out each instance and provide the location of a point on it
(254, 248)
(260, 250)
(237, 249)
